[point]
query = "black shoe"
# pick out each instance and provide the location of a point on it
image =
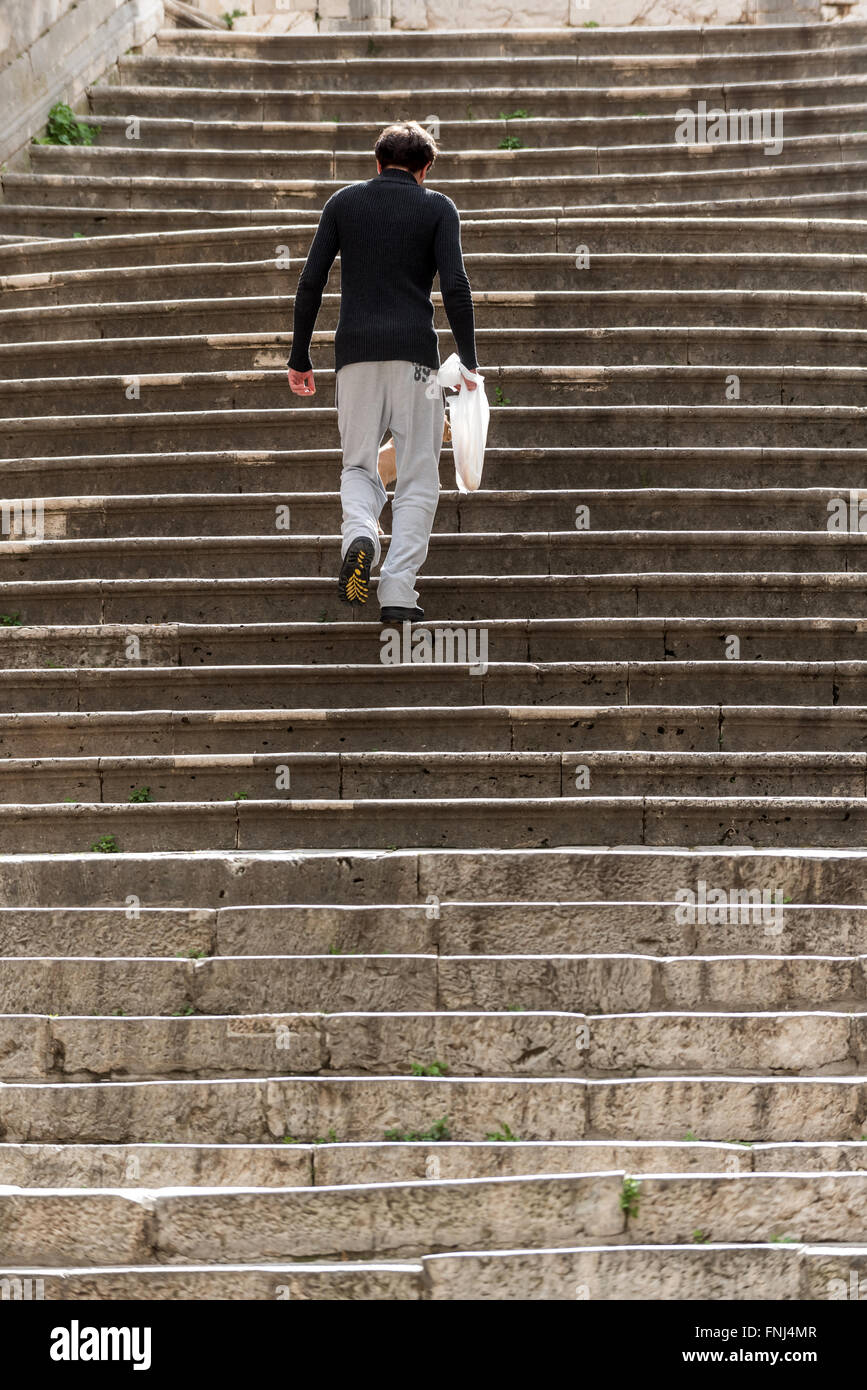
(354, 580)
(401, 615)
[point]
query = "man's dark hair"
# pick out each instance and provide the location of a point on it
(407, 145)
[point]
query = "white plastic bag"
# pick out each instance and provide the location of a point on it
(469, 413)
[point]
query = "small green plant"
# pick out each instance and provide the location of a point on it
(184, 1012)
(230, 16)
(510, 142)
(239, 796)
(519, 115)
(700, 1237)
(119, 1013)
(784, 1240)
(372, 48)
(690, 1138)
(630, 1194)
(502, 1136)
(106, 844)
(64, 128)
(439, 1132)
(191, 954)
(330, 1138)
(499, 398)
(10, 620)
(590, 24)
(287, 1139)
(432, 1069)
(141, 794)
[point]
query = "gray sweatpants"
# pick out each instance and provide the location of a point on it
(373, 398)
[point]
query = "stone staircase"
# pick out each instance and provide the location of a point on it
(542, 976)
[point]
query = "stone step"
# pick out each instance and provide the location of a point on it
(489, 509)
(420, 684)
(495, 311)
(707, 346)
(175, 132)
(519, 386)
(538, 640)
(262, 104)
(525, 233)
(448, 823)
(245, 471)
(328, 1164)
(752, 148)
(463, 728)
(195, 599)
(553, 553)
(62, 1228)
(309, 1281)
(518, 42)
(425, 877)
(736, 424)
(488, 271)
(815, 1109)
(342, 776)
(443, 927)
(414, 74)
(521, 1042)
(680, 187)
(229, 989)
(23, 221)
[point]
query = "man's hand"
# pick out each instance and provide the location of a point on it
(470, 385)
(302, 383)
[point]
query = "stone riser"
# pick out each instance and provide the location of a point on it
(580, 729)
(737, 424)
(528, 1043)
(457, 823)
(261, 1111)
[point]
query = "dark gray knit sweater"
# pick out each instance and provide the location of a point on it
(393, 236)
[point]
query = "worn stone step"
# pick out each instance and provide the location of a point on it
(488, 271)
(316, 470)
(226, 513)
(518, 42)
(585, 984)
(387, 74)
(511, 823)
(494, 309)
(62, 1228)
(810, 683)
(522, 387)
(522, 1042)
(720, 347)
(217, 878)
(172, 131)
(525, 232)
(753, 148)
(344, 643)
(308, 1281)
(737, 423)
(346, 776)
(484, 552)
(440, 926)
(684, 187)
(522, 728)
(363, 1108)
(167, 1164)
(708, 593)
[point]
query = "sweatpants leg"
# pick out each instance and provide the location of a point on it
(416, 421)
(362, 418)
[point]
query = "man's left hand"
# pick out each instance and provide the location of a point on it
(302, 383)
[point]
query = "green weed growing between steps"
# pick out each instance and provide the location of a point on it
(64, 128)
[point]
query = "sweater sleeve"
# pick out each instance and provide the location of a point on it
(454, 285)
(311, 283)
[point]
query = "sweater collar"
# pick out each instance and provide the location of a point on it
(403, 174)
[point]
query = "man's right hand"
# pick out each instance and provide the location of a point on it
(470, 385)
(302, 383)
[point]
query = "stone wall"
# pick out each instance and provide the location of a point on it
(51, 49)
